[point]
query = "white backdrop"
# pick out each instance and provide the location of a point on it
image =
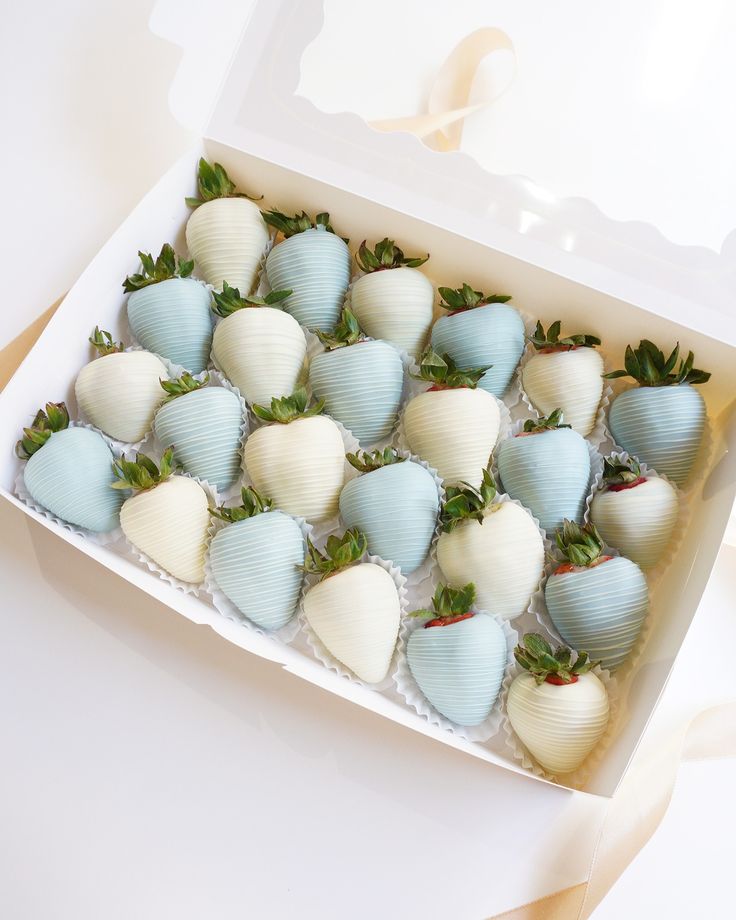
(148, 768)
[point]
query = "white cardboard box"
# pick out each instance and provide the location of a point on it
(559, 258)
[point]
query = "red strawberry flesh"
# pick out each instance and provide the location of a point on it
(622, 486)
(558, 681)
(569, 567)
(448, 621)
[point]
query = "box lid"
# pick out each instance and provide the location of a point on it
(256, 108)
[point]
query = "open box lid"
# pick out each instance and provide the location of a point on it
(256, 109)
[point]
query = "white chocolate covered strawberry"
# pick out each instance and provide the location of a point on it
(392, 300)
(495, 545)
(168, 517)
(259, 347)
(556, 706)
(120, 390)
(298, 459)
(355, 609)
(226, 234)
(565, 374)
(453, 425)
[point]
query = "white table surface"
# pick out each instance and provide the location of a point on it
(149, 768)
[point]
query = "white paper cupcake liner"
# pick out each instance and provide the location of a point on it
(599, 433)
(580, 777)
(328, 660)
(227, 608)
(153, 566)
(409, 689)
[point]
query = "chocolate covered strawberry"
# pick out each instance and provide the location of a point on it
(496, 545)
(168, 517)
(635, 513)
(354, 609)
(120, 390)
(259, 347)
(256, 561)
(360, 381)
(394, 503)
(546, 467)
(205, 425)
(298, 458)
(458, 656)
(565, 373)
(556, 706)
(480, 330)
(597, 602)
(392, 300)
(169, 312)
(314, 262)
(453, 425)
(660, 421)
(226, 235)
(69, 471)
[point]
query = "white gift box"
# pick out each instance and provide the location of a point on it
(559, 258)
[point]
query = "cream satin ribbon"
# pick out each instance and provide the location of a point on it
(441, 126)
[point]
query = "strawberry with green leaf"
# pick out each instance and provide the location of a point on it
(169, 311)
(558, 708)
(393, 300)
(354, 608)
(661, 421)
(297, 458)
(205, 425)
(453, 425)
(167, 518)
(312, 261)
(69, 471)
(258, 346)
(458, 656)
(226, 235)
(480, 330)
(360, 381)
(120, 390)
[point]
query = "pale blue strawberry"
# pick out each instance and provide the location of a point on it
(480, 330)
(360, 381)
(547, 468)
(395, 504)
(458, 657)
(169, 312)
(597, 602)
(314, 263)
(70, 471)
(204, 424)
(661, 421)
(256, 560)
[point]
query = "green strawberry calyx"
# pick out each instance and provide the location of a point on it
(649, 367)
(548, 423)
(535, 655)
(347, 332)
(449, 605)
(55, 417)
(231, 300)
(183, 385)
(367, 461)
(253, 503)
(458, 300)
(385, 255)
(166, 266)
(550, 340)
(340, 552)
(620, 472)
(289, 408)
(442, 372)
(291, 226)
(103, 342)
(213, 182)
(464, 502)
(580, 545)
(142, 473)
